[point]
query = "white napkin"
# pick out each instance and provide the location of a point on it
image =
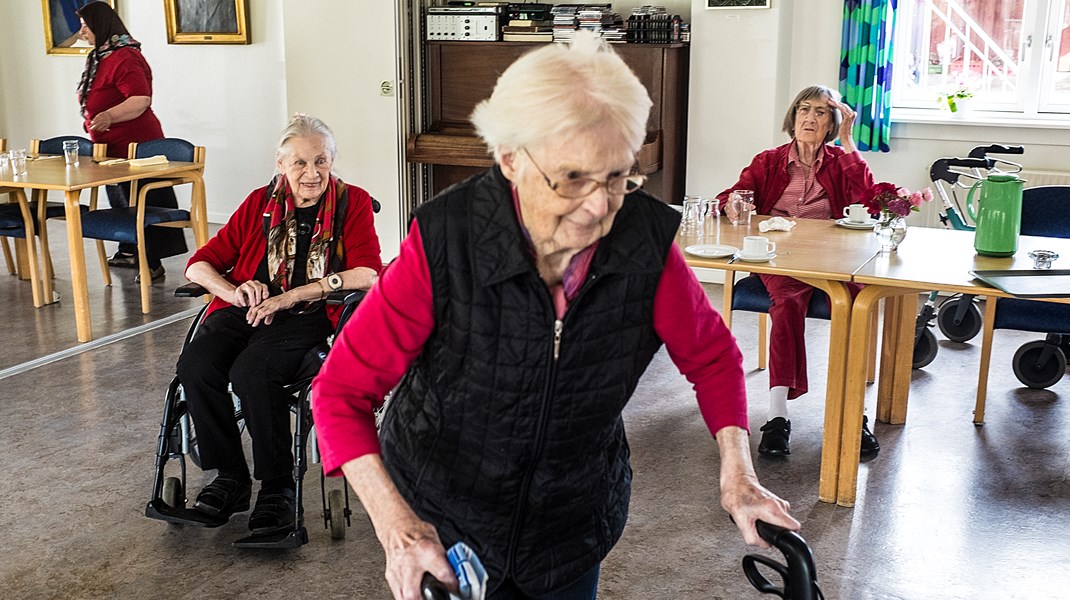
(776, 224)
(159, 159)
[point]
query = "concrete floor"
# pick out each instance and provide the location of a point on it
(947, 510)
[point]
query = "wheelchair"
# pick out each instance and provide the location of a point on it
(177, 440)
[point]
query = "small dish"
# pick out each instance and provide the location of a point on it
(711, 250)
(756, 259)
(867, 224)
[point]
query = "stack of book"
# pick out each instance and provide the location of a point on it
(528, 30)
(602, 21)
(653, 25)
(566, 18)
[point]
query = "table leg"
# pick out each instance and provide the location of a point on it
(78, 278)
(726, 304)
(840, 300)
(31, 248)
(42, 213)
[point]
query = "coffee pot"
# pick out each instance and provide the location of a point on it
(998, 214)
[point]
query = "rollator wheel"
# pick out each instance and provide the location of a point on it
(337, 507)
(1037, 376)
(172, 493)
(925, 349)
(963, 331)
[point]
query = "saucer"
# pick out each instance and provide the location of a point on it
(756, 259)
(867, 224)
(711, 250)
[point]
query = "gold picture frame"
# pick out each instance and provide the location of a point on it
(62, 27)
(207, 21)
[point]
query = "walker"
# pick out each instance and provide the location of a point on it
(958, 317)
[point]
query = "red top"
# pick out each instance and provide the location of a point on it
(398, 314)
(240, 246)
(804, 198)
(120, 75)
(844, 176)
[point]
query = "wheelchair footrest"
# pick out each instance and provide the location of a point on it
(160, 510)
(287, 538)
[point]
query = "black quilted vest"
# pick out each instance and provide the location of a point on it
(490, 438)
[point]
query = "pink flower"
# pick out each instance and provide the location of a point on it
(927, 194)
(916, 199)
(887, 199)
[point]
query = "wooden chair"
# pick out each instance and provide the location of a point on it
(8, 258)
(1045, 212)
(128, 224)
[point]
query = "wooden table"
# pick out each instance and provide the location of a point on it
(54, 174)
(928, 259)
(826, 256)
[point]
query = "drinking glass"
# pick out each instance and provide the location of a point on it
(5, 162)
(70, 152)
(742, 203)
(18, 162)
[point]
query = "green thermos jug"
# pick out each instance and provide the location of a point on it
(999, 216)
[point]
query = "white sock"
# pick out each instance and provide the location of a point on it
(778, 402)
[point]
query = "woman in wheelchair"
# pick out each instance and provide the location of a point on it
(270, 267)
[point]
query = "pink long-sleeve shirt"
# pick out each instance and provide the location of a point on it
(398, 315)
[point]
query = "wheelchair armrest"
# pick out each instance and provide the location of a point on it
(190, 290)
(345, 297)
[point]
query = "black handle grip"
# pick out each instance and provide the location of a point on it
(941, 168)
(433, 589)
(982, 151)
(190, 290)
(799, 575)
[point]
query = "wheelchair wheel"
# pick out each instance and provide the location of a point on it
(1037, 376)
(337, 508)
(172, 493)
(963, 331)
(925, 349)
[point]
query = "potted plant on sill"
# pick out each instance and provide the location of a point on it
(957, 100)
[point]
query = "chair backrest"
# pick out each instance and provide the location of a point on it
(55, 145)
(173, 148)
(1046, 211)
(3, 144)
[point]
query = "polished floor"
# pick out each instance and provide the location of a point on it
(947, 510)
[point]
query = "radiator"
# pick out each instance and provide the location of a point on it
(1037, 178)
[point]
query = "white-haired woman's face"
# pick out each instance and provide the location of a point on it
(813, 120)
(306, 163)
(559, 225)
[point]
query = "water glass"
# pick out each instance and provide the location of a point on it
(742, 204)
(18, 162)
(699, 217)
(70, 152)
(5, 162)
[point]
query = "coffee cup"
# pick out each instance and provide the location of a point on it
(756, 246)
(856, 213)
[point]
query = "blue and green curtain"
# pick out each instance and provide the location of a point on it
(866, 55)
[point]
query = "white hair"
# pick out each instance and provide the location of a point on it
(302, 125)
(561, 88)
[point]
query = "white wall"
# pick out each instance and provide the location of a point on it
(747, 65)
(230, 99)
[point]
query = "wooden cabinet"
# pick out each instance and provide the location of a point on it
(461, 74)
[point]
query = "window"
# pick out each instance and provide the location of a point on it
(1010, 55)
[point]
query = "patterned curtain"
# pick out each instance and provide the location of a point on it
(866, 69)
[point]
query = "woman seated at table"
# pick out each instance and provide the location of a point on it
(807, 178)
(270, 267)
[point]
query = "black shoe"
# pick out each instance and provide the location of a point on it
(775, 436)
(274, 511)
(870, 446)
(226, 495)
(154, 274)
(123, 260)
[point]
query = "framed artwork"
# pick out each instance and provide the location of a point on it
(62, 26)
(207, 21)
(737, 3)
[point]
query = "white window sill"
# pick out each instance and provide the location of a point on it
(978, 118)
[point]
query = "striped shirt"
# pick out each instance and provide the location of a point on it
(804, 198)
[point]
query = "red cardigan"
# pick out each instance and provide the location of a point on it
(845, 176)
(122, 74)
(240, 246)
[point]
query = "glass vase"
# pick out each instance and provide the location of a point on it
(890, 231)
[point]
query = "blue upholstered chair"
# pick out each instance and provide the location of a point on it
(128, 224)
(1042, 363)
(749, 294)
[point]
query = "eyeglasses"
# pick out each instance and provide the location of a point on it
(578, 187)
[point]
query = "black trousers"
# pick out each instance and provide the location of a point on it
(257, 362)
(160, 242)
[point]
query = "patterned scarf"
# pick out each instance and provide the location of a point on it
(282, 232)
(92, 61)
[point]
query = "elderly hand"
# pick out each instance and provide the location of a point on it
(250, 294)
(101, 122)
(265, 311)
(846, 125)
(413, 548)
(747, 501)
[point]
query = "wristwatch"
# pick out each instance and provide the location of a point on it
(334, 281)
